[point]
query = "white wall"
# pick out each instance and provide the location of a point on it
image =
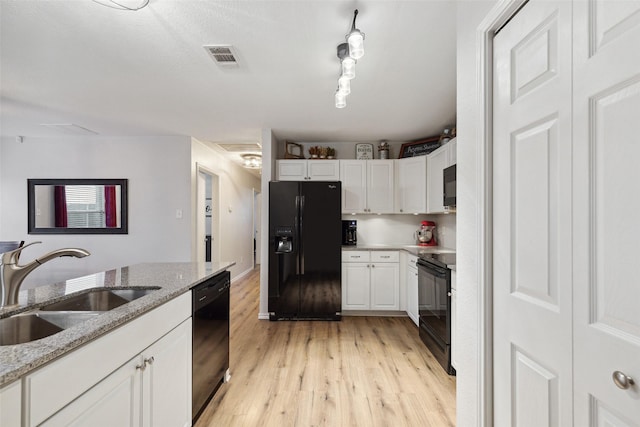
(469, 241)
(399, 229)
(158, 172)
(236, 206)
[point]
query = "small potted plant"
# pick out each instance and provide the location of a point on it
(314, 151)
(323, 152)
(331, 153)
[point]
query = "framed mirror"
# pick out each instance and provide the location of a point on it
(77, 206)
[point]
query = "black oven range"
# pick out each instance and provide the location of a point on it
(434, 305)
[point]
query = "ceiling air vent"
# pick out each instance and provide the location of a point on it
(241, 148)
(223, 55)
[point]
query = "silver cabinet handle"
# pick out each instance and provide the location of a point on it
(142, 367)
(622, 380)
(149, 360)
(368, 265)
(373, 265)
(448, 294)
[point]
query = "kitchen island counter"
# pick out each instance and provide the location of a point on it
(172, 279)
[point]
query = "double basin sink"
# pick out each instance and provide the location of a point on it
(71, 311)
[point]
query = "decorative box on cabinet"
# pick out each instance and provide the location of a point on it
(308, 170)
(370, 280)
(367, 186)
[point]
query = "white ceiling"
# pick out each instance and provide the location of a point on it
(146, 73)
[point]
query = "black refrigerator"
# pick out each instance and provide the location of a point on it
(305, 238)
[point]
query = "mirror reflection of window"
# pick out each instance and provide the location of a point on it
(78, 206)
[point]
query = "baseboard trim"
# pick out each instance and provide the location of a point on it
(263, 316)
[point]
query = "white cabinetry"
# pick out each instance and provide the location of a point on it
(138, 373)
(437, 161)
(367, 186)
(10, 404)
(308, 170)
(370, 280)
(454, 320)
(411, 185)
(412, 288)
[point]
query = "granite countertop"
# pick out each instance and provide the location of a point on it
(412, 249)
(173, 279)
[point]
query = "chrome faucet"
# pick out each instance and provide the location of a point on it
(12, 274)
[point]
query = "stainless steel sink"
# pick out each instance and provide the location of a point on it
(98, 300)
(24, 328)
(53, 318)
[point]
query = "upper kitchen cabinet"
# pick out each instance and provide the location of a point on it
(411, 185)
(437, 161)
(367, 186)
(308, 170)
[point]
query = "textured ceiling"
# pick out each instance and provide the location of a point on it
(147, 73)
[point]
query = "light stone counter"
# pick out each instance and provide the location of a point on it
(412, 249)
(173, 279)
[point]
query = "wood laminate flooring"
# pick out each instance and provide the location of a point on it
(361, 371)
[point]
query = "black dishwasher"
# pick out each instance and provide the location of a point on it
(210, 339)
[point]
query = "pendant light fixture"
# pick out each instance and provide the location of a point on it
(348, 53)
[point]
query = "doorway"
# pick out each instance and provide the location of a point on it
(257, 209)
(207, 217)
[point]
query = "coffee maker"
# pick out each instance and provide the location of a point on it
(349, 232)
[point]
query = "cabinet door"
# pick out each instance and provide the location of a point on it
(353, 174)
(323, 170)
(437, 161)
(292, 170)
(385, 286)
(411, 185)
(380, 188)
(11, 404)
(453, 152)
(114, 401)
(412, 294)
(166, 395)
(355, 286)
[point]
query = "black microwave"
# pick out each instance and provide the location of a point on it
(449, 187)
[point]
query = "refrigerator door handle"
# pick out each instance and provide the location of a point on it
(297, 234)
(301, 247)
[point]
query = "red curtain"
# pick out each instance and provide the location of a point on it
(60, 205)
(111, 215)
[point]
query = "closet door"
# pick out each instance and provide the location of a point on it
(606, 179)
(532, 218)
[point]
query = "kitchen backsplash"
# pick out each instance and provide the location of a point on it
(399, 229)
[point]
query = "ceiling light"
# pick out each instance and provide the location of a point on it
(341, 99)
(348, 53)
(252, 161)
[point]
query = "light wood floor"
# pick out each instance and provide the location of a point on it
(361, 371)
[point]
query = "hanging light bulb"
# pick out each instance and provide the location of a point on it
(344, 85)
(349, 67)
(355, 38)
(347, 63)
(341, 100)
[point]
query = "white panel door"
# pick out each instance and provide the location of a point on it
(292, 170)
(606, 227)
(323, 170)
(355, 286)
(531, 218)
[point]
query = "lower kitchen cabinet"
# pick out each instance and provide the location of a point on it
(412, 289)
(137, 375)
(370, 280)
(143, 392)
(10, 404)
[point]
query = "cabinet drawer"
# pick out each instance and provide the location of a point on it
(355, 256)
(385, 256)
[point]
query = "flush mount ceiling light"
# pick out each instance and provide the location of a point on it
(348, 53)
(252, 161)
(120, 4)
